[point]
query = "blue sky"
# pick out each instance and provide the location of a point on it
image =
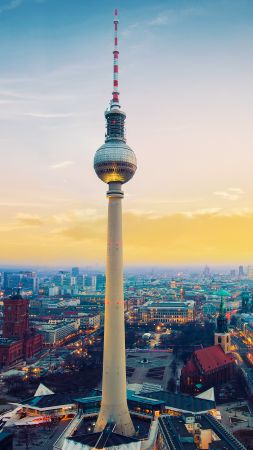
(186, 75)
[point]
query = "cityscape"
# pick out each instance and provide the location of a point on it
(139, 337)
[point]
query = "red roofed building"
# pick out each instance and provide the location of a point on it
(210, 366)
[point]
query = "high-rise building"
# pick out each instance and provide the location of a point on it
(1, 279)
(75, 271)
(100, 282)
(241, 272)
(27, 281)
(90, 282)
(115, 164)
(250, 272)
(232, 273)
(206, 272)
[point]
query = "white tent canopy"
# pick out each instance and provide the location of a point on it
(42, 390)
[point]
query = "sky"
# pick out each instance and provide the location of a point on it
(186, 72)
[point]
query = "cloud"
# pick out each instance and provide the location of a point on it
(127, 31)
(160, 20)
(30, 96)
(236, 190)
(62, 165)
(50, 115)
(174, 15)
(202, 212)
(29, 219)
(206, 236)
(231, 194)
(10, 5)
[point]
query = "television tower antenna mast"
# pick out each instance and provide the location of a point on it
(115, 93)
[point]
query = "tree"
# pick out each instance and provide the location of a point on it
(14, 384)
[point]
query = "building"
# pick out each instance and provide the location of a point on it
(53, 291)
(115, 164)
(27, 281)
(206, 272)
(210, 366)
(55, 334)
(167, 312)
(19, 341)
(144, 408)
(100, 282)
(152, 404)
(193, 432)
(89, 283)
(250, 272)
(92, 299)
(241, 272)
(89, 320)
(75, 271)
(16, 317)
(11, 351)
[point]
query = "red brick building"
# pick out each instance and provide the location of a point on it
(207, 367)
(19, 342)
(210, 366)
(11, 351)
(16, 317)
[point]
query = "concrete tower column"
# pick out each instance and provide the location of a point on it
(114, 402)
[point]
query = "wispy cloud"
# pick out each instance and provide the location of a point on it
(202, 212)
(62, 165)
(17, 204)
(10, 5)
(25, 95)
(231, 194)
(236, 190)
(49, 115)
(29, 219)
(161, 19)
(173, 15)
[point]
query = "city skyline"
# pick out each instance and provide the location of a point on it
(188, 61)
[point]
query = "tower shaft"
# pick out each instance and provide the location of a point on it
(114, 401)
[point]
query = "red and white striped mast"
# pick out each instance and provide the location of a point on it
(115, 93)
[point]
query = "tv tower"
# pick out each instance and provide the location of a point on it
(115, 164)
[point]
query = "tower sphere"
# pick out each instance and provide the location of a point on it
(115, 161)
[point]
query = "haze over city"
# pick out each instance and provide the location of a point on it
(186, 85)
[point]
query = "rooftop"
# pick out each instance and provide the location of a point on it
(147, 400)
(213, 357)
(175, 433)
(166, 305)
(49, 401)
(8, 341)
(183, 402)
(112, 440)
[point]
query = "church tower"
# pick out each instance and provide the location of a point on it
(222, 335)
